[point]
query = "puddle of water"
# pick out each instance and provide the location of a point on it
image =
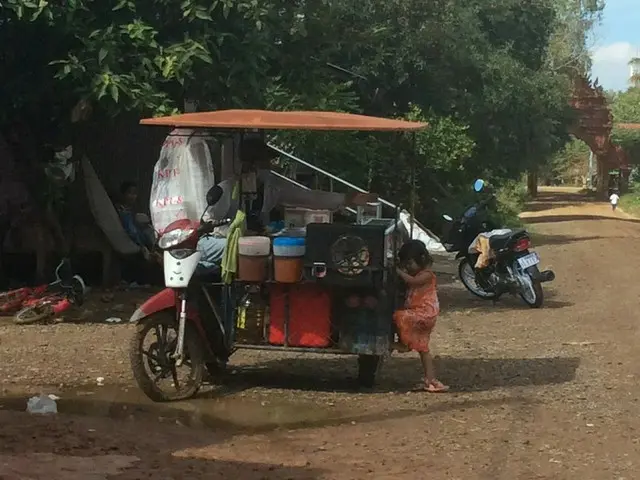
(226, 413)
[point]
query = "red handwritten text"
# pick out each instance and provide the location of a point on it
(168, 172)
(168, 201)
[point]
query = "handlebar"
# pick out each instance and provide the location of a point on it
(473, 210)
(208, 227)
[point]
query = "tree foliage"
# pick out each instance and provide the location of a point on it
(569, 165)
(625, 107)
(478, 71)
(573, 24)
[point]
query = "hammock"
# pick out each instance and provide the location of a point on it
(104, 212)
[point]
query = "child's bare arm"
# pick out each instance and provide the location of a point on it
(421, 278)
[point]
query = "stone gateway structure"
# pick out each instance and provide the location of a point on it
(593, 127)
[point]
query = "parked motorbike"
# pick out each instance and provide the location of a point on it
(184, 320)
(514, 268)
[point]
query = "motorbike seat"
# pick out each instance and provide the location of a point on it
(498, 242)
(209, 275)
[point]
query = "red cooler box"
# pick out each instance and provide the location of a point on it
(309, 316)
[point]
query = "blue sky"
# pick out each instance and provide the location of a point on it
(614, 42)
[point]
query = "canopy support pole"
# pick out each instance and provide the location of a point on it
(414, 158)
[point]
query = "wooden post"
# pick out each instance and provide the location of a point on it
(532, 183)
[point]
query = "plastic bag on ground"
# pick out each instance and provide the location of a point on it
(43, 404)
(181, 178)
(432, 243)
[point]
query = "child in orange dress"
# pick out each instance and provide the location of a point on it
(415, 323)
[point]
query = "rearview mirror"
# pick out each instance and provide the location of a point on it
(447, 218)
(213, 195)
(478, 185)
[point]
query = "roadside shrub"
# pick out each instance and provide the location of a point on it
(511, 198)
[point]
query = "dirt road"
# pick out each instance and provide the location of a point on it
(537, 394)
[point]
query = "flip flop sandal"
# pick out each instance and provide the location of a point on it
(436, 387)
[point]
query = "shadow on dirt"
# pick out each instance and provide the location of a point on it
(454, 299)
(573, 218)
(479, 374)
(398, 374)
(542, 240)
(540, 206)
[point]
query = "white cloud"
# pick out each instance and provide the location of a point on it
(611, 65)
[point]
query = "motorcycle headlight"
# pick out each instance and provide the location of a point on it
(174, 237)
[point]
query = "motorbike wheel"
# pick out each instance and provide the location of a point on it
(532, 294)
(77, 289)
(468, 278)
(153, 364)
(33, 314)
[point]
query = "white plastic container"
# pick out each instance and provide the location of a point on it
(254, 246)
(289, 247)
(253, 258)
(301, 217)
(317, 216)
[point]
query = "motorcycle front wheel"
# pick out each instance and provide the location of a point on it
(154, 368)
(468, 278)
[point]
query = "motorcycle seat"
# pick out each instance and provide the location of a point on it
(498, 242)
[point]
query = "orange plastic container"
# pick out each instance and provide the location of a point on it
(287, 269)
(252, 269)
(288, 259)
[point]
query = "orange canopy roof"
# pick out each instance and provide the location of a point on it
(271, 120)
(627, 126)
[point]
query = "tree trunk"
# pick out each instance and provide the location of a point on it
(532, 183)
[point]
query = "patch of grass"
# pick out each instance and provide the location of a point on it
(630, 203)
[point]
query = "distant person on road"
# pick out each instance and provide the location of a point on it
(416, 322)
(614, 199)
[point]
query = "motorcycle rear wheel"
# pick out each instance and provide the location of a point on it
(533, 297)
(155, 364)
(467, 276)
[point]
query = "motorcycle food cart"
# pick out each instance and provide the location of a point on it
(318, 287)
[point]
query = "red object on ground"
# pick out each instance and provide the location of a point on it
(61, 306)
(12, 301)
(309, 316)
